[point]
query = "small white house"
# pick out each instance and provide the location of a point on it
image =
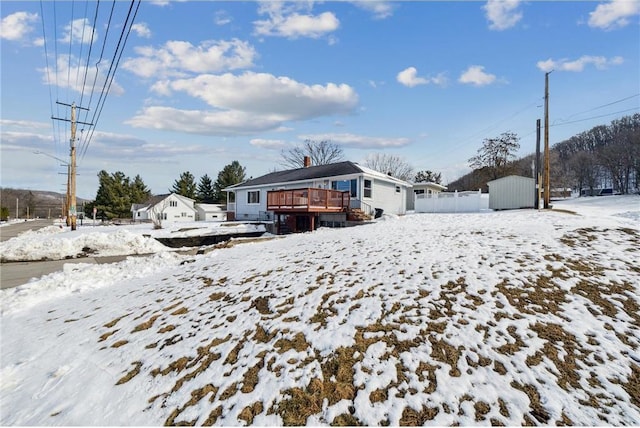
(172, 208)
(370, 191)
(427, 189)
(512, 192)
(211, 212)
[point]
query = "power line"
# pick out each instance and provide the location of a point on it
(595, 117)
(105, 91)
(595, 108)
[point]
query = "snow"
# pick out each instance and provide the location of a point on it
(511, 317)
(54, 243)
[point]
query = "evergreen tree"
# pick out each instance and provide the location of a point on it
(185, 185)
(113, 198)
(231, 174)
(206, 192)
(139, 191)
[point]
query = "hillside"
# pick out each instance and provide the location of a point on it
(505, 318)
(40, 203)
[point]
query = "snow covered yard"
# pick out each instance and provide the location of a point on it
(516, 317)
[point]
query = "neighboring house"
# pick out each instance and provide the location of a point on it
(428, 189)
(324, 193)
(211, 212)
(172, 208)
(512, 192)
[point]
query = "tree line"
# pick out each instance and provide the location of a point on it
(606, 156)
(117, 192)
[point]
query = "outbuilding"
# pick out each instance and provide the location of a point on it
(512, 192)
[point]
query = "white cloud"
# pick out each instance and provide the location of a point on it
(614, 14)
(475, 75)
(579, 64)
(269, 95)
(17, 26)
(176, 58)
(79, 31)
(222, 18)
(502, 14)
(359, 141)
(268, 144)
(381, 9)
(142, 30)
(246, 104)
(287, 22)
(409, 77)
(73, 67)
(203, 122)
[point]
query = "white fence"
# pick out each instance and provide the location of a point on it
(445, 202)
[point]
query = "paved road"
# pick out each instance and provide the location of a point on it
(12, 230)
(18, 273)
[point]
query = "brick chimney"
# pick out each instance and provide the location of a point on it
(307, 161)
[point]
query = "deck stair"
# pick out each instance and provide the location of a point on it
(356, 214)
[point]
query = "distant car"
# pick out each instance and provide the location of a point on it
(608, 192)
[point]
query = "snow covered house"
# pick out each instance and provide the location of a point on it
(328, 195)
(171, 207)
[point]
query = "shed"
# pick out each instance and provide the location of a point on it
(512, 192)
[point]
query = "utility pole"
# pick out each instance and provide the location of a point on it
(537, 167)
(71, 181)
(547, 161)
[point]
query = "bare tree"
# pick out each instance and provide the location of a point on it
(392, 165)
(428, 176)
(157, 213)
(496, 154)
(321, 153)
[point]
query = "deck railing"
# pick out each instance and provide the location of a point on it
(309, 200)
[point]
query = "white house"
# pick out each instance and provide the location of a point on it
(172, 208)
(369, 191)
(211, 212)
(427, 188)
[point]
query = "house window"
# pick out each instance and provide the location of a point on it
(397, 189)
(253, 197)
(344, 185)
(368, 187)
(173, 203)
(183, 214)
(419, 192)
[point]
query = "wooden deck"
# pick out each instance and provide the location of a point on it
(309, 200)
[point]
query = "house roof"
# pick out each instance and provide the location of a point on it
(154, 200)
(429, 184)
(313, 172)
(512, 178)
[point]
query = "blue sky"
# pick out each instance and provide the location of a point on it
(200, 84)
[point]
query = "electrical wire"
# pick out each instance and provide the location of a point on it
(86, 68)
(106, 89)
(97, 73)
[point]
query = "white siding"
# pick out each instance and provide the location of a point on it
(386, 198)
(512, 192)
